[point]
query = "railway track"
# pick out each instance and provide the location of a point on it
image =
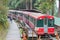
(48, 38)
(57, 29)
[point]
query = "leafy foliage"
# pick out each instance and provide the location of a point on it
(20, 4)
(44, 5)
(14, 3)
(3, 12)
(3, 19)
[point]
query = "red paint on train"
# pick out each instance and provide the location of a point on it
(40, 31)
(51, 30)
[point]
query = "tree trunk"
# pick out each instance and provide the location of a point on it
(59, 9)
(53, 7)
(53, 11)
(27, 7)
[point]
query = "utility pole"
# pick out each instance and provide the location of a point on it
(30, 4)
(53, 1)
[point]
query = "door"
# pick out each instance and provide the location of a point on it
(45, 25)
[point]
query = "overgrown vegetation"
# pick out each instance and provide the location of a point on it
(3, 18)
(14, 4)
(42, 5)
(20, 4)
(45, 5)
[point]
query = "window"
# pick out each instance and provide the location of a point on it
(39, 23)
(34, 21)
(45, 21)
(50, 22)
(21, 14)
(27, 17)
(31, 19)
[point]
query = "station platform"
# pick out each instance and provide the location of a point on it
(13, 32)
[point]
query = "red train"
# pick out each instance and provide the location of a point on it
(41, 23)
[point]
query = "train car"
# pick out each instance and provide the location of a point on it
(18, 15)
(37, 22)
(41, 23)
(12, 14)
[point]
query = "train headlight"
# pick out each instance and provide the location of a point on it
(40, 18)
(50, 18)
(51, 30)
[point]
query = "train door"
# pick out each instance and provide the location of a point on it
(50, 22)
(51, 28)
(45, 25)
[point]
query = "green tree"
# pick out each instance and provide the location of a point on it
(3, 12)
(44, 5)
(15, 4)
(21, 4)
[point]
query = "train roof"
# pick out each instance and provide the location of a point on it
(33, 14)
(40, 16)
(26, 12)
(33, 10)
(36, 15)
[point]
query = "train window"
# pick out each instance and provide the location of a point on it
(27, 17)
(24, 15)
(51, 22)
(39, 23)
(15, 13)
(45, 21)
(31, 19)
(21, 14)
